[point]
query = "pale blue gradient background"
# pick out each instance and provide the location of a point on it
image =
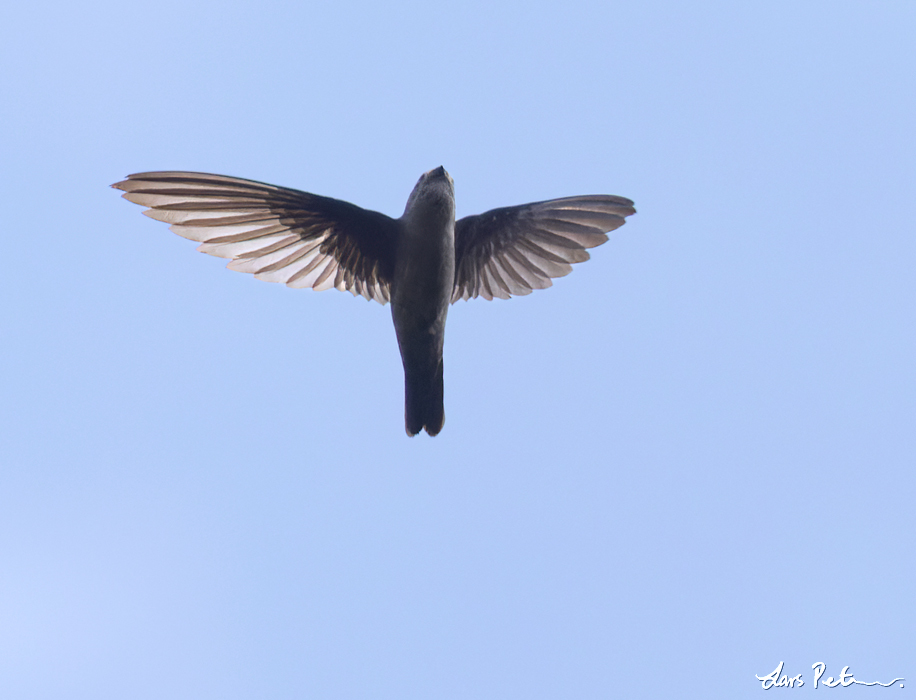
(689, 460)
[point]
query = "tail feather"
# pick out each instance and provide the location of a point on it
(423, 402)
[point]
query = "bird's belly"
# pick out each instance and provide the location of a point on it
(420, 295)
(423, 281)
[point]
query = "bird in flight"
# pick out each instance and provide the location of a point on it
(421, 262)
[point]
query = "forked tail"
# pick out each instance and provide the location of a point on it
(423, 404)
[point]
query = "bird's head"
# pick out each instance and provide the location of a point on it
(434, 192)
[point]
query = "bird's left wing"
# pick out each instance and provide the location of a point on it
(276, 233)
(515, 250)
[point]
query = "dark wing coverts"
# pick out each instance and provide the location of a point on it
(276, 233)
(515, 250)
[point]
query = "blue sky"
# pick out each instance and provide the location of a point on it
(689, 460)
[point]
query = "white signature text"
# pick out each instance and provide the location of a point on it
(778, 679)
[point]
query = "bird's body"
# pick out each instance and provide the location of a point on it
(421, 262)
(421, 289)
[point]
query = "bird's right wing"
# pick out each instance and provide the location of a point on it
(515, 250)
(276, 233)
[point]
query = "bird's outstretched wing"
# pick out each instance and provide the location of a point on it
(275, 233)
(515, 250)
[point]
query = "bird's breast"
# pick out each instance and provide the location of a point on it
(424, 270)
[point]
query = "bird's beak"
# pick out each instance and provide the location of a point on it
(439, 172)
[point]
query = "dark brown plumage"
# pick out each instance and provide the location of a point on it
(421, 262)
